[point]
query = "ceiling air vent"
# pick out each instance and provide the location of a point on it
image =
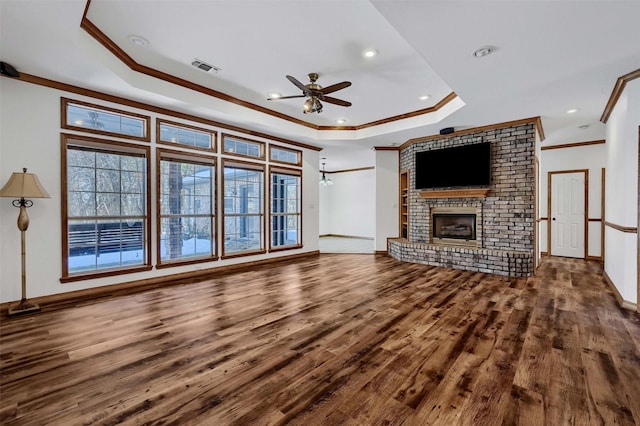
(204, 66)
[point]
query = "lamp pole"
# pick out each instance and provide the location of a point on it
(23, 224)
(22, 186)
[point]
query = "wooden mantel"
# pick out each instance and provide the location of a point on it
(455, 193)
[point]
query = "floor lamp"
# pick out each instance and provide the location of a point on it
(23, 185)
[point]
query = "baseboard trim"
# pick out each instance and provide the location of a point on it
(630, 306)
(384, 252)
(347, 236)
(625, 304)
(69, 299)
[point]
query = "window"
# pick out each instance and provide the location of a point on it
(243, 147)
(182, 134)
(210, 200)
(98, 119)
(243, 230)
(278, 154)
(105, 210)
(187, 208)
(285, 208)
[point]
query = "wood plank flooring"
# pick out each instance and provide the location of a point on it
(332, 340)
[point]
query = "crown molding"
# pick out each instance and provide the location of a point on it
(444, 101)
(573, 145)
(41, 81)
(121, 55)
(618, 88)
(531, 120)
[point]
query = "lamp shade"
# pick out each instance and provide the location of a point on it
(23, 185)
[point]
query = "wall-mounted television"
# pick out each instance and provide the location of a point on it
(461, 166)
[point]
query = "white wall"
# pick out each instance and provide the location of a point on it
(325, 208)
(348, 206)
(387, 197)
(591, 157)
(621, 200)
(30, 137)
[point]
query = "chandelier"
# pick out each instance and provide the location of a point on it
(325, 181)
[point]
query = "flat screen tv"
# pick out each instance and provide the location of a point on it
(457, 167)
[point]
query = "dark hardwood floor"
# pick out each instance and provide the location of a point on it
(333, 340)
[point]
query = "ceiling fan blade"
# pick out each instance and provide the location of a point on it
(336, 101)
(335, 87)
(299, 85)
(287, 97)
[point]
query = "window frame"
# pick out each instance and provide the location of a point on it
(101, 145)
(213, 133)
(262, 146)
(291, 172)
(163, 154)
(248, 166)
(65, 102)
(296, 151)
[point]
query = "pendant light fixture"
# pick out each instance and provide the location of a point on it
(325, 181)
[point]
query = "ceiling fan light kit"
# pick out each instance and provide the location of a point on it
(315, 93)
(312, 105)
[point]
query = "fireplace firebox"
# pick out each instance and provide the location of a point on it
(454, 226)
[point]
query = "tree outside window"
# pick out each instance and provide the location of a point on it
(187, 219)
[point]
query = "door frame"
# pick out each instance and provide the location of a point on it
(586, 207)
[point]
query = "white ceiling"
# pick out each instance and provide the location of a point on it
(549, 56)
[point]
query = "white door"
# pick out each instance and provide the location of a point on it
(567, 214)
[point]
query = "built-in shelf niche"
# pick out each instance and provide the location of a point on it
(404, 205)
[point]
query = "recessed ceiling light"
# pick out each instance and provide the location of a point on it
(572, 110)
(137, 40)
(484, 51)
(424, 97)
(370, 53)
(341, 121)
(274, 95)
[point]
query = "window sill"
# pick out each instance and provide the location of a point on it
(106, 273)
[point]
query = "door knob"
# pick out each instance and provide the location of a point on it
(553, 218)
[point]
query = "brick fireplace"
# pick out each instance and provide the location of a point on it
(504, 222)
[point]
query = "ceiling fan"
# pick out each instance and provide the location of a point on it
(316, 93)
